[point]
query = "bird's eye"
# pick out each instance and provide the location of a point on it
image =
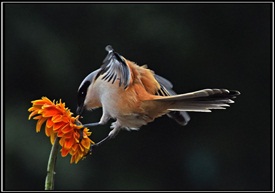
(82, 92)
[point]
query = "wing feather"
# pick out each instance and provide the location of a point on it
(166, 86)
(115, 68)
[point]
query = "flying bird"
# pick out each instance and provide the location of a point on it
(134, 95)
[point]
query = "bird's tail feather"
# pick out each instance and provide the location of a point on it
(200, 101)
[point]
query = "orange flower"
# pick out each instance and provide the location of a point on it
(73, 138)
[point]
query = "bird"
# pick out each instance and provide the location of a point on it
(134, 96)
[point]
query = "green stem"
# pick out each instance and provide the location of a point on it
(49, 182)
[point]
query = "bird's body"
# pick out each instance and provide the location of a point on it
(134, 95)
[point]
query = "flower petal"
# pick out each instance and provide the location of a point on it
(75, 158)
(42, 101)
(57, 126)
(48, 130)
(86, 143)
(49, 122)
(52, 137)
(50, 112)
(39, 124)
(57, 118)
(33, 114)
(68, 143)
(66, 129)
(64, 152)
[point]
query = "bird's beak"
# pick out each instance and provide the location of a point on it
(79, 109)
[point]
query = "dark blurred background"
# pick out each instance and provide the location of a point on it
(50, 48)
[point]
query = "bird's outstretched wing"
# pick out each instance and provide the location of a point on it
(115, 68)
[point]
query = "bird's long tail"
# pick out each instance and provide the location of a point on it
(199, 101)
